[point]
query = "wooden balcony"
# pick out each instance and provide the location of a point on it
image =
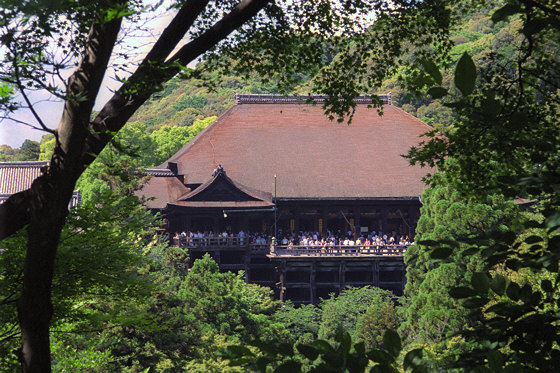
(213, 243)
(217, 243)
(337, 251)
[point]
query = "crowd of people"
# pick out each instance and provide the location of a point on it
(300, 239)
(206, 238)
(345, 239)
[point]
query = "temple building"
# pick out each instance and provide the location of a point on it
(277, 166)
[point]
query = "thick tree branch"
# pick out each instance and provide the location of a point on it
(153, 72)
(246, 10)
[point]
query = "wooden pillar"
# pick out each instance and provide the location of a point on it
(216, 225)
(384, 212)
(282, 281)
(357, 224)
(247, 264)
(342, 275)
(411, 221)
(313, 286)
(217, 258)
(296, 221)
(324, 216)
(375, 269)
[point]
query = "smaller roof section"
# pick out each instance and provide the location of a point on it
(163, 186)
(221, 191)
(16, 177)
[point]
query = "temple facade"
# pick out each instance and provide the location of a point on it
(276, 166)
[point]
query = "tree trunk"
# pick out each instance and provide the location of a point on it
(35, 308)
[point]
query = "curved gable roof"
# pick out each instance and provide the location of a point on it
(312, 156)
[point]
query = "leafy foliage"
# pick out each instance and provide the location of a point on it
(340, 355)
(114, 229)
(348, 308)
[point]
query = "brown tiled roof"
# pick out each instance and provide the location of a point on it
(222, 181)
(162, 189)
(18, 176)
(312, 156)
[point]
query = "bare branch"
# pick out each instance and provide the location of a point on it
(26, 99)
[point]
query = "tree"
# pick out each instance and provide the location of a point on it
(170, 139)
(29, 150)
(431, 314)
(347, 309)
(505, 140)
(302, 322)
(189, 317)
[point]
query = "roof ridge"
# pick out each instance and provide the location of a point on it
(24, 163)
(247, 98)
(414, 117)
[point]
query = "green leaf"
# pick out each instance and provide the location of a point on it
(495, 360)
(431, 68)
(437, 92)
(428, 242)
(498, 284)
(480, 282)
(513, 291)
(475, 302)
(536, 25)
(269, 348)
(465, 74)
(441, 253)
(380, 356)
(360, 348)
(383, 369)
(288, 367)
(392, 342)
(286, 349)
(412, 359)
(263, 362)
(526, 294)
(461, 292)
(490, 106)
(309, 352)
(533, 239)
(323, 346)
(236, 351)
(546, 285)
(344, 338)
(553, 221)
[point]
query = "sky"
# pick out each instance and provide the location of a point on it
(14, 134)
